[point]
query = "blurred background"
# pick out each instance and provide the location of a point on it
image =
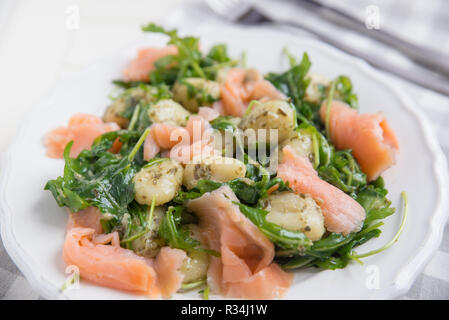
(43, 41)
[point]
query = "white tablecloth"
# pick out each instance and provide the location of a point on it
(40, 43)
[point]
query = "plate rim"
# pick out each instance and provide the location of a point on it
(407, 274)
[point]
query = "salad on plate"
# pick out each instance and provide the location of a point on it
(204, 174)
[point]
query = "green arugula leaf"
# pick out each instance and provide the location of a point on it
(97, 177)
(176, 235)
(375, 203)
(199, 93)
(343, 91)
(170, 231)
(128, 84)
(343, 172)
(293, 83)
(190, 62)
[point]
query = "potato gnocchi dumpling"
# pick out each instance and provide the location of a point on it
(302, 143)
(295, 212)
(160, 180)
(196, 263)
(315, 91)
(168, 111)
(129, 98)
(222, 75)
(216, 168)
(273, 114)
(193, 93)
(149, 244)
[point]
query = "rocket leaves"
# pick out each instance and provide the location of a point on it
(190, 62)
(98, 177)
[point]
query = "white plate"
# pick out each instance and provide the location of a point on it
(33, 226)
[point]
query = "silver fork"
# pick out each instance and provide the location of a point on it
(242, 11)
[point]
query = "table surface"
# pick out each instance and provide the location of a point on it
(40, 43)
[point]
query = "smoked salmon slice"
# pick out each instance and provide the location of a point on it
(241, 87)
(150, 148)
(163, 136)
(107, 265)
(342, 214)
(140, 67)
(245, 268)
(115, 267)
(166, 136)
(86, 218)
(82, 129)
(184, 153)
(182, 143)
(372, 141)
(166, 265)
(208, 113)
(198, 127)
(218, 107)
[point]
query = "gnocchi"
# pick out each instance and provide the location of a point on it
(302, 143)
(195, 265)
(272, 114)
(193, 93)
(149, 244)
(129, 98)
(295, 212)
(160, 180)
(168, 111)
(216, 168)
(316, 89)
